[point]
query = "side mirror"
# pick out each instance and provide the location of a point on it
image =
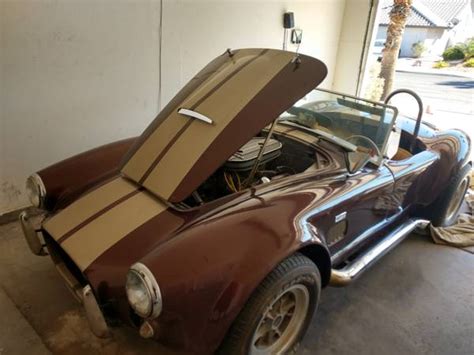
(356, 161)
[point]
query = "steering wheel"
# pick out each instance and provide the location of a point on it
(371, 143)
(319, 118)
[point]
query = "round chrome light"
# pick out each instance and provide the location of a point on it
(143, 292)
(36, 190)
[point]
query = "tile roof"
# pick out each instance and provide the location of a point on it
(427, 13)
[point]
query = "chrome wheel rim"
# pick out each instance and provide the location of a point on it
(457, 199)
(281, 322)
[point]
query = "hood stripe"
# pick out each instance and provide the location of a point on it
(290, 84)
(164, 151)
(168, 126)
(88, 243)
(87, 207)
(193, 107)
(224, 105)
(96, 215)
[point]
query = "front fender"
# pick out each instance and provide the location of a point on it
(66, 180)
(207, 273)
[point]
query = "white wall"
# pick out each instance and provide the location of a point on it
(435, 39)
(77, 74)
(196, 31)
(74, 75)
(351, 42)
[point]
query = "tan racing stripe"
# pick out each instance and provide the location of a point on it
(186, 126)
(139, 163)
(87, 206)
(92, 240)
(222, 107)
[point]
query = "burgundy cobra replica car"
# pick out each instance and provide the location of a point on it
(216, 229)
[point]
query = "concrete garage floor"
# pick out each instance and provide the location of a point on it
(418, 299)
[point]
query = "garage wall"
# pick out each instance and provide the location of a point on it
(75, 74)
(349, 68)
(79, 74)
(195, 31)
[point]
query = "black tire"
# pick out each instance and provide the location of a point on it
(445, 210)
(295, 272)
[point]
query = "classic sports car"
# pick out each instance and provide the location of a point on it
(216, 229)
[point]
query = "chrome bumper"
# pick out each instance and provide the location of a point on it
(31, 235)
(84, 295)
(94, 315)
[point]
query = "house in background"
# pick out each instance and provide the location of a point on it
(438, 24)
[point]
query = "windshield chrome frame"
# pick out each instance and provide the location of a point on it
(378, 103)
(381, 159)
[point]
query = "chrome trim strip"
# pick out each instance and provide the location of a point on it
(341, 216)
(344, 276)
(377, 103)
(194, 114)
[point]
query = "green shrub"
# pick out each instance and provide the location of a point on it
(418, 49)
(469, 63)
(440, 64)
(454, 53)
(469, 48)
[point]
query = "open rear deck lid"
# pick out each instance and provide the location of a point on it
(220, 109)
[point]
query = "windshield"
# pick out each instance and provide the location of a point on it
(342, 119)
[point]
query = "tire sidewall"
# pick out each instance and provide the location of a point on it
(440, 209)
(441, 219)
(302, 275)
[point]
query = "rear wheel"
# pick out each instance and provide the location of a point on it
(278, 313)
(446, 208)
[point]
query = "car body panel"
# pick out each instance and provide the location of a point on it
(241, 94)
(209, 259)
(99, 219)
(72, 177)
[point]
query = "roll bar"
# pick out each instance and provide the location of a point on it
(420, 112)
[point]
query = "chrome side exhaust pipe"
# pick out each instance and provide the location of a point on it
(344, 276)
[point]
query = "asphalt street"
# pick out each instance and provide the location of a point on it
(448, 100)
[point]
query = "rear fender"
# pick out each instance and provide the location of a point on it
(454, 148)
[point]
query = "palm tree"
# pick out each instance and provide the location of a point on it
(398, 18)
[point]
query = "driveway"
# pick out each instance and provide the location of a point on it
(448, 100)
